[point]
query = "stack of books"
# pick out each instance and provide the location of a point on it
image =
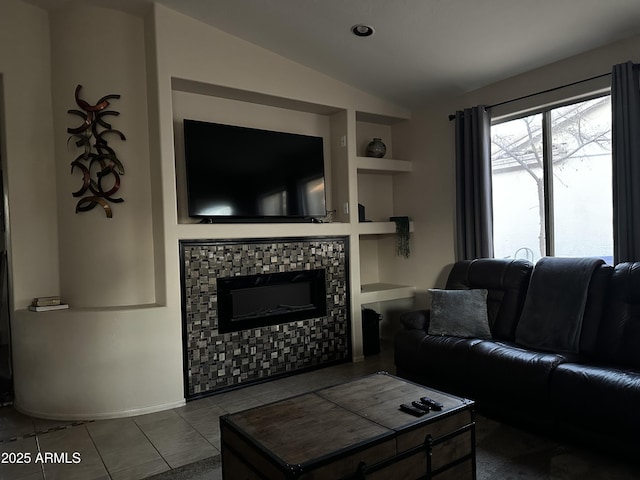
(44, 304)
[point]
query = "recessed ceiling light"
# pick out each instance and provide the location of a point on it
(361, 30)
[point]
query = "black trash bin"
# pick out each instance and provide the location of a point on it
(370, 331)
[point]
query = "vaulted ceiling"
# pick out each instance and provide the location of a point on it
(421, 48)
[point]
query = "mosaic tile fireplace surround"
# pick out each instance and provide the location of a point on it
(215, 361)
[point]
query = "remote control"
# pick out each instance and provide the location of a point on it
(421, 406)
(432, 403)
(412, 410)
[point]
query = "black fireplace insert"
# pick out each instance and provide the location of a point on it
(254, 301)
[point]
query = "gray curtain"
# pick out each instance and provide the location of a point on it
(474, 211)
(625, 106)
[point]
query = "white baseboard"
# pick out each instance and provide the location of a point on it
(100, 415)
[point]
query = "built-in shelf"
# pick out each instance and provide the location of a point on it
(354, 178)
(250, 230)
(379, 228)
(383, 165)
(260, 230)
(383, 292)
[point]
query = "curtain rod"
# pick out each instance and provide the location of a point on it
(453, 116)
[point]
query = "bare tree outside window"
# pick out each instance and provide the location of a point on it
(579, 193)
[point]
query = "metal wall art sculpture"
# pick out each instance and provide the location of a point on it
(97, 156)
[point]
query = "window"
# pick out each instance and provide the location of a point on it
(551, 175)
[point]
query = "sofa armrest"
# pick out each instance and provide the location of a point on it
(415, 320)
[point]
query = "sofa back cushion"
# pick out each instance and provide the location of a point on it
(506, 281)
(619, 333)
(556, 303)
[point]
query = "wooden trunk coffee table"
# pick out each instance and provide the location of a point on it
(354, 430)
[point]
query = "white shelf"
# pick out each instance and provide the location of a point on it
(383, 165)
(383, 292)
(260, 230)
(378, 228)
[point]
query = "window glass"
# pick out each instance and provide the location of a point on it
(578, 195)
(518, 190)
(582, 195)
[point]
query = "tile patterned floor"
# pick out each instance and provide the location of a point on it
(139, 447)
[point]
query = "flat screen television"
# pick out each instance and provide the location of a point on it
(246, 174)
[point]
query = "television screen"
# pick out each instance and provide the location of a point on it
(245, 173)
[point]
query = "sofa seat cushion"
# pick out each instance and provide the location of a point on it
(606, 397)
(511, 383)
(506, 375)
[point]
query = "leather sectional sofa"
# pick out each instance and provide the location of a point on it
(590, 390)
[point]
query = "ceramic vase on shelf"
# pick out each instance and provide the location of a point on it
(376, 148)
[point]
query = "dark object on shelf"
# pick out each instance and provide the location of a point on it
(376, 148)
(361, 215)
(98, 157)
(404, 236)
(370, 331)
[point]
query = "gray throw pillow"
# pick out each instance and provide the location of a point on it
(459, 313)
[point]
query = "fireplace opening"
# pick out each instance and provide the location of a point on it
(254, 301)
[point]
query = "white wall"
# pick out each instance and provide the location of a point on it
(28, 160)
(118, 350)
